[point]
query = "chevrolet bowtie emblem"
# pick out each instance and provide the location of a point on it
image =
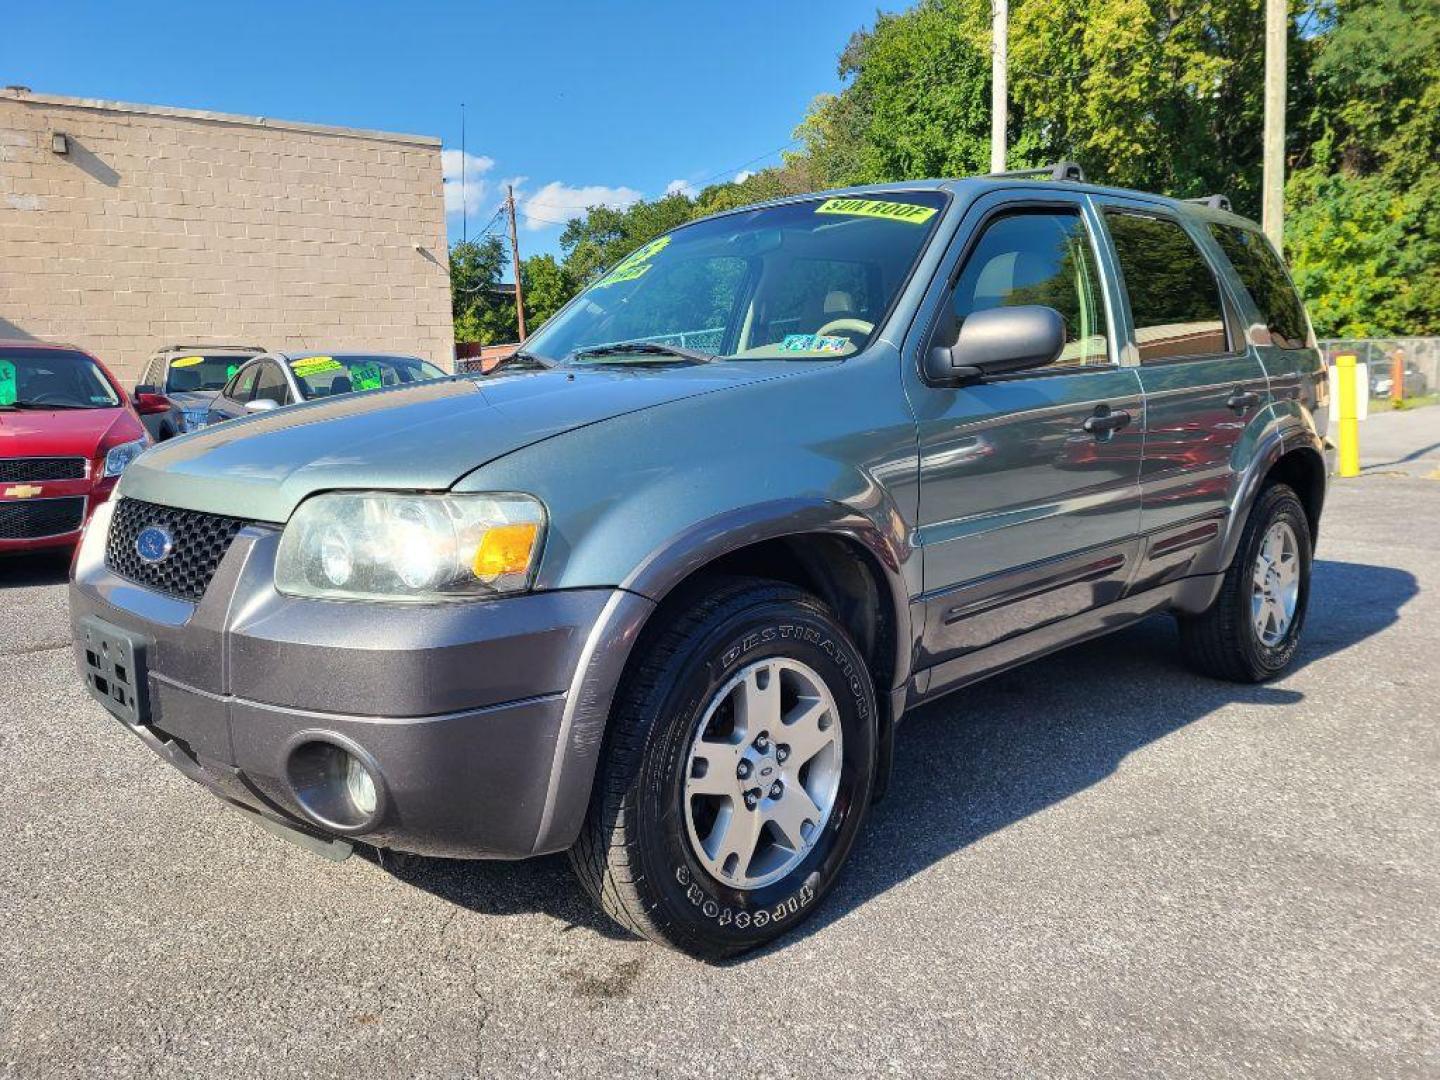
(21, 491)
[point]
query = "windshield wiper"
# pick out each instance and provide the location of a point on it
(522, 356)
(646, 348)
(47, 405)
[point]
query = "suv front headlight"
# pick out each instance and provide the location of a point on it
(379, 545)
(118, 457)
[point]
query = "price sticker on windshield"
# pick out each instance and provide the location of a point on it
(314, 365)
(909, 213)
(8, 392)
(367, 377)
(187, 361)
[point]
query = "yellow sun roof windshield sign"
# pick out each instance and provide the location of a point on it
(634, 265)
(314, 365)
(910, 213)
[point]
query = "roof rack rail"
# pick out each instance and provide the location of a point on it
(209, 345)
(1061, 170)
(1214, 202)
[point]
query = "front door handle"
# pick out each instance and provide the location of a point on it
(1242, 400)
(1106, 422)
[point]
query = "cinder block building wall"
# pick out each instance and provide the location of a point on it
(159, 226)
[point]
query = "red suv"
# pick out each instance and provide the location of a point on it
(67, 431)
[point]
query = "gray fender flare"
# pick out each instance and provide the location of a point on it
(587, 709)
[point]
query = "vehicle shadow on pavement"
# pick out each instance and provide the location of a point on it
(991, 755)
(493, 887)
(22, 571)
(986, 757)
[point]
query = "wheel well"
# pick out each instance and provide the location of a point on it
(1304, 471)
(836, 569)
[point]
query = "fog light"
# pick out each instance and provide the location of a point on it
(335, 782)
(360, 786)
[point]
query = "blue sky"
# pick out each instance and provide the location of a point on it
(579, 102)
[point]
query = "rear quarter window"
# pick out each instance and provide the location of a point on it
(1267, 282)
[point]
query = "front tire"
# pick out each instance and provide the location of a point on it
(738, 768)
(1252, 630)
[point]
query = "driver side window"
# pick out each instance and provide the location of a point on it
(1036, 257)
(241, 386)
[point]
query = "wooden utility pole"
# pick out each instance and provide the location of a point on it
(999, 80)
(515, 262)
(1272, 207)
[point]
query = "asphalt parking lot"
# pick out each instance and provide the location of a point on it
(1095, 865)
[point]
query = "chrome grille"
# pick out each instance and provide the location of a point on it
(199, 543)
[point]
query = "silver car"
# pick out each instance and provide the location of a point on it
(189, 376)
(276, 379)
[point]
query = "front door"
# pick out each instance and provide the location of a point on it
(1029, 483)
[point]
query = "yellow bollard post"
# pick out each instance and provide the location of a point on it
(1349, 434)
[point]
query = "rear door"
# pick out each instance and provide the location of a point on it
(1202, 382)
(1025, 516)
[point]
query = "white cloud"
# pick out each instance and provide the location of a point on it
(742, 176)
(556, 202)
(454, 164)
(681, 187)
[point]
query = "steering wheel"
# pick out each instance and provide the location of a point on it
(60, 398)
(846, 325)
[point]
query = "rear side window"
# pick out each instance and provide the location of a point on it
(1267, 283)
(1036, 257)
(1174, 297)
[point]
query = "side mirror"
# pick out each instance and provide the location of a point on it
(263, 404)
(996, 341)
(149, 403)
(146, 388)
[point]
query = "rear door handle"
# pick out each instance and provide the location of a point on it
(1105, 422)
(1241, 400)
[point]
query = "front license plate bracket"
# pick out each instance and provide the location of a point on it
(115, 673)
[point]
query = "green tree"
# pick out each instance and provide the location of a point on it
(548, 286)
(482, 311)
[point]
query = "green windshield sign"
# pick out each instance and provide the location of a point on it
(366, 377)
(7, 383)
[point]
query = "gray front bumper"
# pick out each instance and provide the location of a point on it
(483, 720)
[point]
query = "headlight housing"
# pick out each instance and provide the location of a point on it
(118, 457)
(381, 545)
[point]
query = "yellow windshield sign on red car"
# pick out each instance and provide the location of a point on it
(878, 208)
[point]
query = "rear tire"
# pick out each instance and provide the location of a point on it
(1252, 630)
(743, 690)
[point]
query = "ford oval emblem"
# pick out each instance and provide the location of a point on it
(154, 544)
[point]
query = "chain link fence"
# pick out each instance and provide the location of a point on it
(1421, 356)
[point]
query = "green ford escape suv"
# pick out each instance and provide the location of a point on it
(659, 590)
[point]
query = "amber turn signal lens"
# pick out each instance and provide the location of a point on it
(505, 549)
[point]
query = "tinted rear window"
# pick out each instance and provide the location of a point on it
(1174, 297)
(1266, 281)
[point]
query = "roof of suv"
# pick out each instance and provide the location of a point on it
(978, 185)
(200, 347)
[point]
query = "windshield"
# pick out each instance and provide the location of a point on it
(325, 376)
(191, 373)
(811, 279)
(53, 379)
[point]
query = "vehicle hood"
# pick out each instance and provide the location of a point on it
(192, 399)
(65, 432)
(421, 437)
